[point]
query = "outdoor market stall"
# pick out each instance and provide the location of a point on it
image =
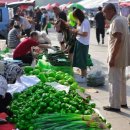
(52, 100)
(48, 97)
(49, 104)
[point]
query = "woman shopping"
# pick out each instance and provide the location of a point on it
(82, 44)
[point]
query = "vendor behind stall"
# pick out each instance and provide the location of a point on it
(14, 36)
(9, 73)
(23, 51)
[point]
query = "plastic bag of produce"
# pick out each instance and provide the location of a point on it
(96, 77)
(22, 84)
(16, 88)
(29, 80)
(49, 25)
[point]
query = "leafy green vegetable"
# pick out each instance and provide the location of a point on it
(42, 98)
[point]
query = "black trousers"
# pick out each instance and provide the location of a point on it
(38, 27)
(27, 32)
(45, 26)
(27, 59)
(4, 102)
(98, 32)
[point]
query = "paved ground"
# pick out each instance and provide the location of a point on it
(119, 121)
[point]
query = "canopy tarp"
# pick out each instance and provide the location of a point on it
(124, 0)
(2, 3)
(7, 1)
(14, 4)
(89, 4)
(124, 3)
(45, 2)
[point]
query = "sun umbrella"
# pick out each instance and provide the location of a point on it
(55, 5)
(48, 7)
(2, 4)
(69, 3)
(125, 4)
(78, 6)
(63, 6)
(42, 7)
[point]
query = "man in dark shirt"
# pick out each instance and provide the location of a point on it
(60, 15)
(38, 16)
(100, 25)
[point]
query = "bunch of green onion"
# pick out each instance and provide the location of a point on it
(58, 121)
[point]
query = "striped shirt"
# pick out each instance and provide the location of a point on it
(13, 40)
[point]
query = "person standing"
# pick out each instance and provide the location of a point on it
(81, 44)
(24, 24)
(60, 15)
(117, 58)
(38, 15)
(43, 19)
(100, 25)
(129, 22)
(51, 15)
(71, 19)
(47, 21)
(70, 37)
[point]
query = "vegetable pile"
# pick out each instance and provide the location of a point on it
(53, 76)
(42, 107)
(58, 59)
(3, 52)
(41, 99)
(59, 121)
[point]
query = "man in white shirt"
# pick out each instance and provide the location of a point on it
(24, 23)
(117, 58)
(42, 38)
(51, 15)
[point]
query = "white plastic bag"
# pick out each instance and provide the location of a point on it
(16, 88)
(34, 62)
(22, 84)
(96, 77)
(59, 87)
(29, 80)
